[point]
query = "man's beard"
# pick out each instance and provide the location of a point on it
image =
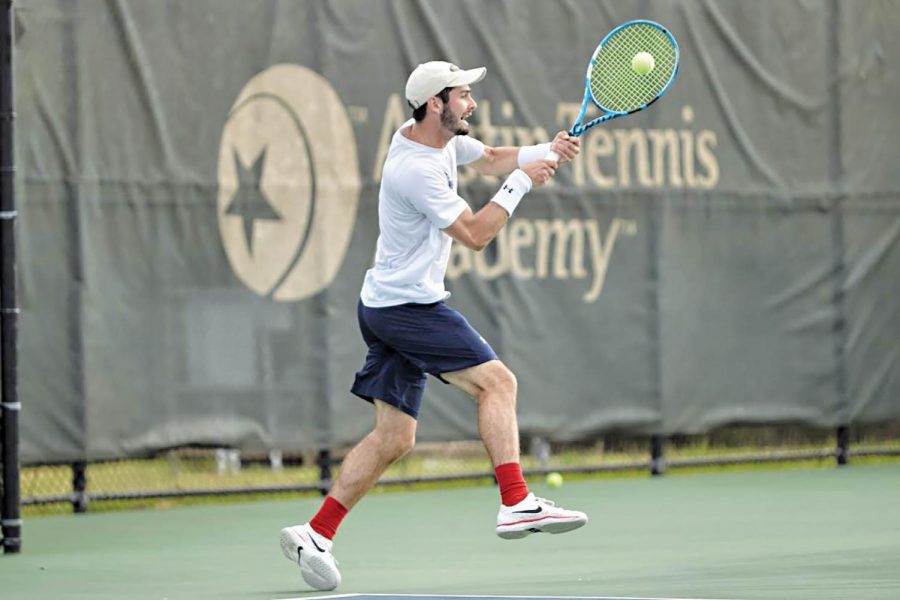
(453, 123)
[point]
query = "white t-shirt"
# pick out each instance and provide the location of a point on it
(417, 200)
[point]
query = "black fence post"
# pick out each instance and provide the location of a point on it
(843, 445)
(657, 455)
(79, 487)
(324, 462)
(10, 498)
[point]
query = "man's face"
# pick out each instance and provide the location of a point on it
(459, 107)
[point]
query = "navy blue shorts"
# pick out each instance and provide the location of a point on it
(406, 342)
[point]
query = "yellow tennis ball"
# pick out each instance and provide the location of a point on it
(554, 479)
(642, 63)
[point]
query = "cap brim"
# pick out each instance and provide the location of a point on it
(467, 77)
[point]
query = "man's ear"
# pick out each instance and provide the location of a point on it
(435, 103)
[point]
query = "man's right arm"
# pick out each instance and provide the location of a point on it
(476, 230)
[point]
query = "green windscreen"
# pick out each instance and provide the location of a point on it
(614, 84)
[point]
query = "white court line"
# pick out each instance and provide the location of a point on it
(329, 597)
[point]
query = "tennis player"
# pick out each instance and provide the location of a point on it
(411, 331)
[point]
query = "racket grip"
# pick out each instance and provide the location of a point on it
(552, 156)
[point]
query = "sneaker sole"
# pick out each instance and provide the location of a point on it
(318, 574)
(549, 526)
(289, 544)
(316, 571)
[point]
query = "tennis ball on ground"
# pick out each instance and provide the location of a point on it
(642, 63)
(554, 479)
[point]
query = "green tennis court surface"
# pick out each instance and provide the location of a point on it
(437, 597)
(791, 534)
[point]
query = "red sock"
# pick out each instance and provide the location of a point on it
(329, 518)
(513, 488)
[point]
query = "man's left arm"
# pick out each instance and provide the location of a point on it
(503, 160)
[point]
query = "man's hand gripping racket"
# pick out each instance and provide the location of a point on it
(634, 65)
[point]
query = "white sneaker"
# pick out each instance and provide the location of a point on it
(536, 515)
(302, 545)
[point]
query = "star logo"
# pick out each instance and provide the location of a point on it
(249, 201)
(289, 183)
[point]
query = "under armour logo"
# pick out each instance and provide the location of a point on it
(506, 189)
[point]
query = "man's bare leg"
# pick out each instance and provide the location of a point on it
(494, 387)
(310, 544)
(393, 436)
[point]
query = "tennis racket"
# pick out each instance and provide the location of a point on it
(614, 80)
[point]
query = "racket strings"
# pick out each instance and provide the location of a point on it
(614, 84)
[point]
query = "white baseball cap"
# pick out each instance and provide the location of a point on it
(428, 79)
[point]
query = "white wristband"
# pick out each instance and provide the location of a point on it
(529, 154)
(513, 189)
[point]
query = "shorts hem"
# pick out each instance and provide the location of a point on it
(465, 365)
(387, 400)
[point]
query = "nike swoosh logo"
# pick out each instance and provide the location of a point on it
(316, 545)
(532, 511)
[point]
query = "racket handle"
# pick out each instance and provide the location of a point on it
(552, 156)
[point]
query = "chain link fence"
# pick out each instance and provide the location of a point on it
(202, 475)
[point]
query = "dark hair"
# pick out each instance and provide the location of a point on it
(419, 113)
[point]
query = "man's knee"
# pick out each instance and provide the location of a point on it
(499, 380)
(396, 441)
(403, 443)
(508, 381)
